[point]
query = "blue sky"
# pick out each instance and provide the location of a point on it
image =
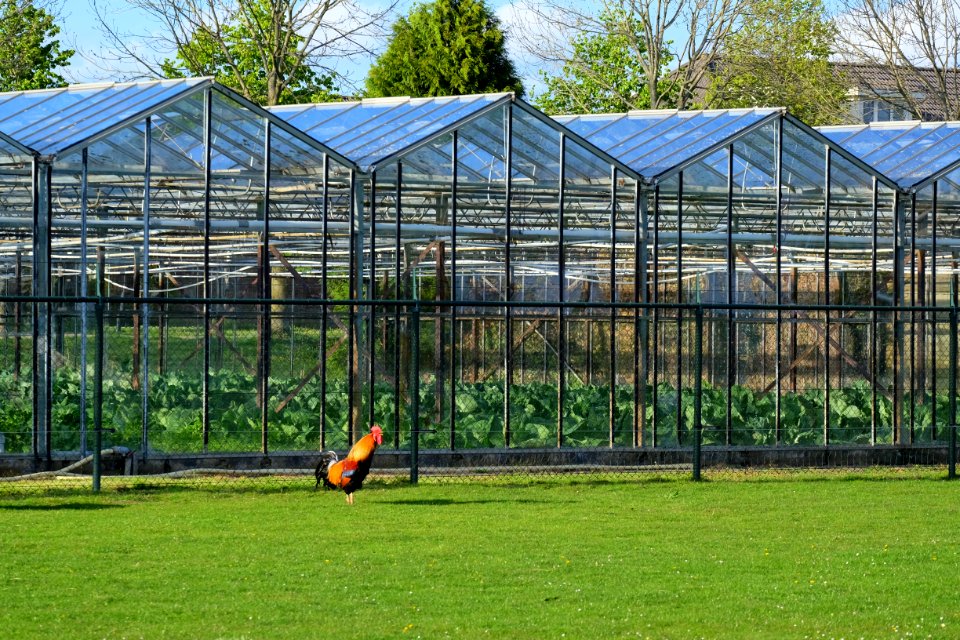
(80, 30)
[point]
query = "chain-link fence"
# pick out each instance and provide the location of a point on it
(128, 392)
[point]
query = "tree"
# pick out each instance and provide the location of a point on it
(236, 58)
(674, 71)
(447, 47)
(603, 74)
(916, 46)
(780, 57)
(270, 51)
(30, 54)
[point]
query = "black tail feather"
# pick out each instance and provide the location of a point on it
(327, 458)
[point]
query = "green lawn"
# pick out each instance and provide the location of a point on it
(810, 555)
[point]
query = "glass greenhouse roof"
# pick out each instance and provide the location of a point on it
(909, 153)
(51, 121)
(371, 131)
(655, 142)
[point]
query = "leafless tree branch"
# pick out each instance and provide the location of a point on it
(318, 34)
(908, 50)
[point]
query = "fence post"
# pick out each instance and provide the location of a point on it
(98, 395)
(415, 394)
(697, 393)
(952, 421)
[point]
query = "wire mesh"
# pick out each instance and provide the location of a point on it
(178, 422)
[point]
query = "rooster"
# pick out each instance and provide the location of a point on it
(348, 474)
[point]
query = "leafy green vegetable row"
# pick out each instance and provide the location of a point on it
(175, 405)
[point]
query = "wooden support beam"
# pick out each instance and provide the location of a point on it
(793, 366)
(308, 287)
(293, 394)
(534, 328)
(420, 258)
(817, 326)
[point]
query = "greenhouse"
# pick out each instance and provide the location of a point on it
(468, 273)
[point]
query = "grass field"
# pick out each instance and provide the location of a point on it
(810, 555)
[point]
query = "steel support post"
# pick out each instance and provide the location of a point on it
(655, 349)
(454, 178)
(731, 298)
(900, 433)
(42, 360)
(933, 302)
(324, 296)
(372, 295)
(415, 395)
(561, 294)
(354, 278)
(640, 346)
(679, 380)
(84, 306)
(778, 205)
(98, 388)
(206, 289)
(145, 289)
(612, 371)
(914, 272)
(874, 291)
(954, 418)
(398, 294)
(265, 293)
(698, 393)
(508, 279)
(828, 160)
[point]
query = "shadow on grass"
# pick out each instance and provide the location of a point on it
(444, 502)
(66, 506)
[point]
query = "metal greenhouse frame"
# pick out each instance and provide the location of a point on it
(469, 273)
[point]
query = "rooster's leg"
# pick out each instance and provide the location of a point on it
(349, 498)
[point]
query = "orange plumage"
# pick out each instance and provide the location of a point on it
(348, 474)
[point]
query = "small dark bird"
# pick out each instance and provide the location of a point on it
(348, 474)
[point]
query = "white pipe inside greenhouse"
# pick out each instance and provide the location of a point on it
(624, 237)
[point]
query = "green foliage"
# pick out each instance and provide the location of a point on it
(16, 412)
(253, 55)
(446, 47)
(30, 54)
(780, 57)
(175, 406)
(605, 72)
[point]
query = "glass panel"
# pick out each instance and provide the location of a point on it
(300, 399)
(408, 128)
(534, 211)
(662, 154)
(482, 146)
(481, 208)
(666, 333)
(16, 347)
(614, 134)
(119, 104)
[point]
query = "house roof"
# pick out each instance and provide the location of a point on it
(878, 81)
